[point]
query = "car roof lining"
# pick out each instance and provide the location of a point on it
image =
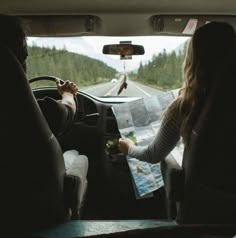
(112, 18)
(93, 7)
(85, 25)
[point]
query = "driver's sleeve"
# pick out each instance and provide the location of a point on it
(58, 115)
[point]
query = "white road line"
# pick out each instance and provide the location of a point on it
(149, 95)
(111, 90)
(92, 88)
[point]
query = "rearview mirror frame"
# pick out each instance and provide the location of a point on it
(123, 49)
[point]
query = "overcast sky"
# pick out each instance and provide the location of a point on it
(92, 47)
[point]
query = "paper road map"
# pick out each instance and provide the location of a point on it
(139, 121)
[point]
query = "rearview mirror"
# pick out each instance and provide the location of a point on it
(123, 49)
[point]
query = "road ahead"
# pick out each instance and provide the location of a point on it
(133, 89)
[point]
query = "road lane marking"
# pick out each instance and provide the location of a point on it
(111, 90)
(149, 95)
(92, 88)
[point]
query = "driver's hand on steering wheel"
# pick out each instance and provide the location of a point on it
(67, 87)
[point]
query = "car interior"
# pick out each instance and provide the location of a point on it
(38, 198)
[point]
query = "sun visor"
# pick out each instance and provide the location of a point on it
(61, 25)
(184, 25)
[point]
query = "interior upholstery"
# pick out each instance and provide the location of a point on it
(114, 18)
(72, 7)
(32, 178)
(209, 192)
(209, 161)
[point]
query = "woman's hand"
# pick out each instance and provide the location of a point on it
(67, 87)
(124, 145)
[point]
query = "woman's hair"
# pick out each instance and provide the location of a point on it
(13, 36)
(210, 58)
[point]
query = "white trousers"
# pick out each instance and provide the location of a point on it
(76, 164)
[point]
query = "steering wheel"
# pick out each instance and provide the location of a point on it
(54, 79)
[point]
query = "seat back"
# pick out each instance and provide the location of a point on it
(209, 161)
(32, 164)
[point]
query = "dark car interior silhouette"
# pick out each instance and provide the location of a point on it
(117, 52)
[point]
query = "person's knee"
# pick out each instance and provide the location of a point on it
(79, 167)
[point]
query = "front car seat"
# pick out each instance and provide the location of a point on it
(36, 192)
(204, 188)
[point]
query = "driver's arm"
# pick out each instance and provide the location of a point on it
(60, 113)
(68, 91)
(68, 99)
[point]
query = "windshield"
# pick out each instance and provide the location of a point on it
(81, 60)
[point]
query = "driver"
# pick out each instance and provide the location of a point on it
(58, 113)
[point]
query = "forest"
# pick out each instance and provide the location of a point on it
(163, 71)
(82, 69)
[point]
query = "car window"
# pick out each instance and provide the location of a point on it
(81, 60)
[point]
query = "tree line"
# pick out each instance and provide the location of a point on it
(82, 69)
(163, 71)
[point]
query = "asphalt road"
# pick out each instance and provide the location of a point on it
(110, 89)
